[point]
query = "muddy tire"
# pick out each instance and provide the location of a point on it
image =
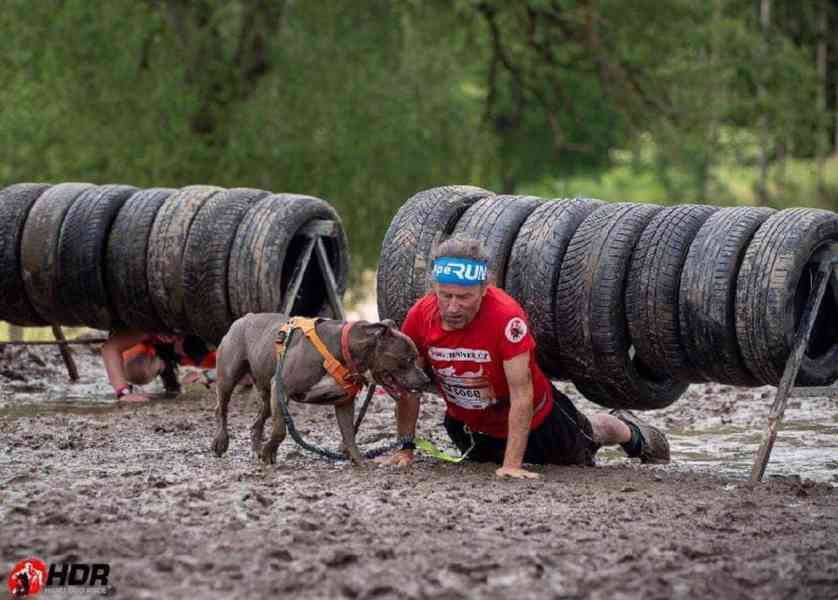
(774, 284)
(594, 341)
(265, 251)
(403, 267)
(165, 253)
(707, 295)
(126, 260)
(39, 248)
(206, 258)
(573, 293)
(82, 286)
(495, 221)
(653, 286)
(15, 204)
(532, 276)
(597, 392)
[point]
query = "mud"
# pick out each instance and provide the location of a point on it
(84, 479)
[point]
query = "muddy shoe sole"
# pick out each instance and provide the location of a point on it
(654, 448)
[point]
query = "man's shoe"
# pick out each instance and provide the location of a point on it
(170, 378)
(654, 448)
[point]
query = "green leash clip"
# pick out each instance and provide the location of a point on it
(430, 449)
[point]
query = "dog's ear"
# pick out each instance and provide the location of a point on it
(378, 330)
(389, 323)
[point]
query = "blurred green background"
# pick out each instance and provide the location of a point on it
(364, 103)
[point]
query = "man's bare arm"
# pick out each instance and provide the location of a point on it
(519, 379)
(112, 351)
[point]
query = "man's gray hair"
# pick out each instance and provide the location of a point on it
(460, 246)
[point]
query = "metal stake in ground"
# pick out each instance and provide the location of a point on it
(63, 345)
(72, 371)
(792, 366)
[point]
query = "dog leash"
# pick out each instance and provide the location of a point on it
(429, 448)
(363, 412)
(324, 452)
(289, 421)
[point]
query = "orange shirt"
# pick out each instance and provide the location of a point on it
(148, 348)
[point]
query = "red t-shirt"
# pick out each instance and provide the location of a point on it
(468, 363)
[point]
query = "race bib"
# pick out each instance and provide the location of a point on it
(467, 390)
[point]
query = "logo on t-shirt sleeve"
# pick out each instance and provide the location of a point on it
(515, 330)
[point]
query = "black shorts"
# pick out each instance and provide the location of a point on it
(564, 438)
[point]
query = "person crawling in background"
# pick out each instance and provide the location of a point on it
(135, 358)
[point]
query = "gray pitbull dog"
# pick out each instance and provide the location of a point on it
(378, 350)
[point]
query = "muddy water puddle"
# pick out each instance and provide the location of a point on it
(17, 400)
(79, 399)
(719, 429)
(800, 450)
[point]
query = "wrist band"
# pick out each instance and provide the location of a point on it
(407, 442)
(124, 390)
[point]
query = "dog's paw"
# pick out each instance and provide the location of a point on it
(256, 443)
(268, 455)
(220, 444)
(355, 458)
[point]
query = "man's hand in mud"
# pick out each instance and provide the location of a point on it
(402, 458)
(516, 473)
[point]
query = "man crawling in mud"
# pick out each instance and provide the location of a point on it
(501, 408)
(133, 358)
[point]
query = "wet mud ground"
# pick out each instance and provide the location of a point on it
(84, 479)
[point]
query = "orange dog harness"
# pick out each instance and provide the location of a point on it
(350, 381)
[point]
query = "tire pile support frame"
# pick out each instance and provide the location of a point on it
(315, 231)
(827, 274)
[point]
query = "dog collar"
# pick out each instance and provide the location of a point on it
(344, 348)
(395, 389)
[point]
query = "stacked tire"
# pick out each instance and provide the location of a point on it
(157, 260)
(632, 302)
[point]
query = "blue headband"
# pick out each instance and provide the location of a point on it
(460, 271)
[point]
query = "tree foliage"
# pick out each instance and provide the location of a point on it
(365, 103)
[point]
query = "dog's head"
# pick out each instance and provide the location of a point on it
(393, 362)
